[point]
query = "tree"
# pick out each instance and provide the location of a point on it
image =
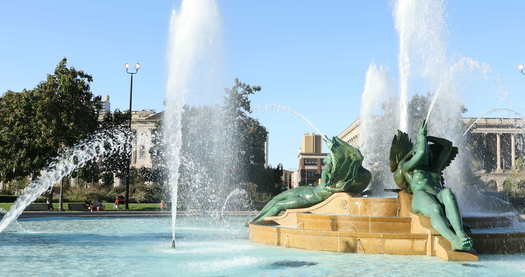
(117, 163)
(35, 124)
(245, 133)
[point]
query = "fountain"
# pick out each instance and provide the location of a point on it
(341, 223)
(345, 222)
(192, 33)
(424, 220)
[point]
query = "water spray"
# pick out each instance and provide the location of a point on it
(98, 145)
(296, 114)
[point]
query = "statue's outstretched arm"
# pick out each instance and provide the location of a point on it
(420, 149)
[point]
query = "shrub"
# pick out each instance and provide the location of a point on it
(7, 198)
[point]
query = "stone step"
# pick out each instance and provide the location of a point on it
(441, 248)
(361, 224)
(385, 243)
(499, 242)
(340, 241)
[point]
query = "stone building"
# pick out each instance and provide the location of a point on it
(105, 107)
(143, 124)
(351, 134)
(499, 142)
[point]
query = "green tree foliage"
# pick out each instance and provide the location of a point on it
(247, 136)
(35, 124)
(110, 165)
(117, 163)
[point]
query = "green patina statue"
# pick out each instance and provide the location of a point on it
(419, 169)
(342, 172)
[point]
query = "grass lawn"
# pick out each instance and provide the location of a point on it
(5, 206)
(107, 206)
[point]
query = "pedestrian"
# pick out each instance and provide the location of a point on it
(117, 202)
(49, 204)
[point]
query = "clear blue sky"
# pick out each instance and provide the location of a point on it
(309, 55)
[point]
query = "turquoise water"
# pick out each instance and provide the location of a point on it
(140, 247)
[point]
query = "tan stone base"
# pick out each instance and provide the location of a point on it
(375, 226)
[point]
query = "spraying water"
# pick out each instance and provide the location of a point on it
(296, 114)
(378, 121)
(192, 32)
(100, 144)
(451, 77)
(20, 227)
(422, 52)
(424, 66)
(235, 193)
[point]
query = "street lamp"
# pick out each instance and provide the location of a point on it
(131, 73)
(521, 68)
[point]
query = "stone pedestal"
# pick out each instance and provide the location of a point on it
(343, 223)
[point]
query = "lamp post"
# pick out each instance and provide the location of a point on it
(131, 73)
(521, 68)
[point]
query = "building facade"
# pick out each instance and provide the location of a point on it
(310, 161)
(143, 123)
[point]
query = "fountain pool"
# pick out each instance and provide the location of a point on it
(137, 247)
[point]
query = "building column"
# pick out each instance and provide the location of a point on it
(513, 150)
(498, 153)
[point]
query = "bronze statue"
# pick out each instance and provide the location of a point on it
(419, 169)
(343, 172)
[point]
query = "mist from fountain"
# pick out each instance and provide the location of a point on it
(96, 146)
(193, 32)
(378, 118)
(423, 65)
(422, 49)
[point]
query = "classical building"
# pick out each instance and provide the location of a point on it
(310, 160)
(143, 124)
(498, 144)
(351, 134)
